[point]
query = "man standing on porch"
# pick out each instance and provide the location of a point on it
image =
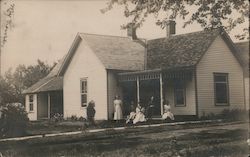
(150, 108)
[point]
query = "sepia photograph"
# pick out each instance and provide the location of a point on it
(124, 78)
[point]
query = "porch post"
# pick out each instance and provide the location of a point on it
(161, 93)
(138, 88)
(48, 105)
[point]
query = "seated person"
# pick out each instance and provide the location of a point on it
(132, 114)
(139, 115)
(167, 112)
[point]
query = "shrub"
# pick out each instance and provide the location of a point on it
(234, 114)
(57, 117)
(73, 118)
(228, 114)
(13, 120)
(82, 119)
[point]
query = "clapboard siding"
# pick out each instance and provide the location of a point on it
(220, 59)
(85, 64)
(246, 79)
(190, 108)
(113, 90)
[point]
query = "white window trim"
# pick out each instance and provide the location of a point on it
(227, 83)
(32, 95)
(184, 95)
(81, 93)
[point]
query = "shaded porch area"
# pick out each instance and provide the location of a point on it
(175, 85)
(49, 104)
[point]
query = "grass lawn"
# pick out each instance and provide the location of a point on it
(46, 127)
(196, 140)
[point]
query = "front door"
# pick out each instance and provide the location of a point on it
(149, 88)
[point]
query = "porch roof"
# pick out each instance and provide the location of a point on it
(168, 73)
(46, 84)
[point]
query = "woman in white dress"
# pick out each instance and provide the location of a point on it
(167, 112)
(117, 108)
(139, 115)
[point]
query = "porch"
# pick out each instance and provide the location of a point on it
(49, 104)
(175, 85)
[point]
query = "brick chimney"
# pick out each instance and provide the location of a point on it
(170, 28)
(131, 31)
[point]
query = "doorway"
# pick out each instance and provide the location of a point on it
(149, 88)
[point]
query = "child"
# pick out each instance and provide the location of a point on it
(91, 112)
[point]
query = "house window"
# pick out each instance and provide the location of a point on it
(221, 90)
(31, 102)
(84, 92)
(179, 93)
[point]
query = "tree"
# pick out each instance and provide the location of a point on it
(12, 85)
(8, 8)
(7, 92)
(208, 13)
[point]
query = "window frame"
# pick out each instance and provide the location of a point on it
(227, 85)
(31, 103)
(184, 94)
(83, 93)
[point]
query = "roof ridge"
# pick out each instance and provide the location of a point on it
(105, 35)
(241, 42)
(115, 36)
(177, 35)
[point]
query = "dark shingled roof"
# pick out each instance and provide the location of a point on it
(243, 54)
(51, 82)
(122, 53)
(117, 53)
(180, 50)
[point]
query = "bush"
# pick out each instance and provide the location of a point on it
(57, 117)
(73, 118)
(228, 114)
(13, 120)
(234, 114)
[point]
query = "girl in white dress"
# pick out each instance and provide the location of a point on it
(117, 108)
(139, 115)
(167, 112)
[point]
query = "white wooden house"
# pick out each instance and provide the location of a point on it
(199, 73)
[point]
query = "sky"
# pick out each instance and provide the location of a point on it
(45, 29)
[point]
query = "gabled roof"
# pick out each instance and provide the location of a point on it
(114, 52)
(180, 50)
(243, 53)
(185, 50)
(52, 82)
(118, 53)
(122, 53)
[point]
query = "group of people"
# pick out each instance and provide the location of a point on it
(140, 113)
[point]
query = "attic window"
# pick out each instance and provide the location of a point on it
(221, 89)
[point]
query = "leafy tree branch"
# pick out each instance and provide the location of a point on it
(208, 13)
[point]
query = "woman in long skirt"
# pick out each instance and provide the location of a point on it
(139, 115)
(117, 108)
